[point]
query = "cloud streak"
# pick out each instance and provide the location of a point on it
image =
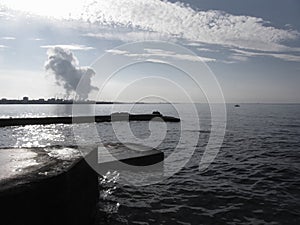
(8, 38)
(69, 47)
(128, 36)
(242, 55)
(159, 55)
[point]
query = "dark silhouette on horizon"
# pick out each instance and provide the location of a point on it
(26, 100)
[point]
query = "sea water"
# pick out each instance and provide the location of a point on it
(254, 179)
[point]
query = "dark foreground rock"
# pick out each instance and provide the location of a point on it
(46, 186)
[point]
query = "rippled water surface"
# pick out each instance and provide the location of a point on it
(255, 178)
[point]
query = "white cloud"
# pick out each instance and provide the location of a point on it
(241, 55)
(70, 47)
(163, 19)
(159, 52)
(8, 38)
(237, 57)
(180, 21)
(194, 44)
(55, 8)
(174, 55)
(36, 39)
(158, 55)
(206, 50)
(138, 20)
(128, 36)
(117, 52)
(156, 61)
(2, 46)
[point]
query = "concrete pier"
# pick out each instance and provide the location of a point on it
(85, 119)
(56, 185)
(47, 186)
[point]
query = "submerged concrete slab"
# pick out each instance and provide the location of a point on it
(132, 154)
(128, 157)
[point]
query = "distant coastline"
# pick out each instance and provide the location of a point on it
(55, 101)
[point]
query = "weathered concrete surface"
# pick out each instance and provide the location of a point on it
(46, 186)
(56, 185)
(131, 154)
(126, 157)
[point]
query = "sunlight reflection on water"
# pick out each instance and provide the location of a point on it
(38, 135)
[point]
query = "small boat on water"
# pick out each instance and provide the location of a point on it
(237, 105)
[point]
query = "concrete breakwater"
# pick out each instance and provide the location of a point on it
(44, 186)
(57, 185)
(86, 119)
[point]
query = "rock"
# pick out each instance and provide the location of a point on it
(47, 186)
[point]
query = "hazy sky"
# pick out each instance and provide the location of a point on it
(251, 47)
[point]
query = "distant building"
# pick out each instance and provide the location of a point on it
(51, 100)
(25, 99)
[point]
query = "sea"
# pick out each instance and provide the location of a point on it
(253, 179)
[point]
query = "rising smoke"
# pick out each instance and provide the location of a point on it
(65, 66)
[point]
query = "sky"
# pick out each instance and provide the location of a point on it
(128, 50)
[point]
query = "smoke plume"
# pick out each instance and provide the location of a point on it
(65, 66)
